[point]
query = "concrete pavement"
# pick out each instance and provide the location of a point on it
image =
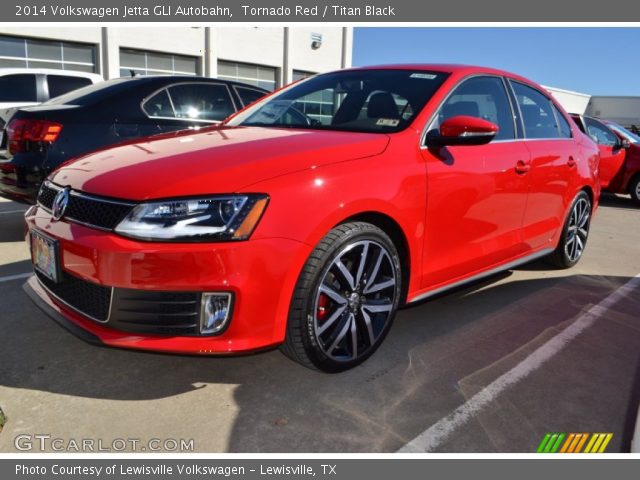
(438, 355)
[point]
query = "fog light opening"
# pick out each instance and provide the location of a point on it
(215, 312)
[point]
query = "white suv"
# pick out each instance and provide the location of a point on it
(21, 87)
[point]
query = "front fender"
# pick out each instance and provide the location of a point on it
(305, 205)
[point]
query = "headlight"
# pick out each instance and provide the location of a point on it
(229, 217)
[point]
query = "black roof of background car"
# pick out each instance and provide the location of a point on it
(98, 92)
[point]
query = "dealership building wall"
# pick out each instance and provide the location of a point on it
(265, 56)
(572, 102)
(621, 109)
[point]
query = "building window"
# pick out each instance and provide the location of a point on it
(321, 105)
(154, 63)
(300, 74)
(258, 75)
(318, 105)
(33, 53)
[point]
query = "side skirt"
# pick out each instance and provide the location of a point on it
(481, 275)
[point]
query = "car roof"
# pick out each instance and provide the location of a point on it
(459, 69)
(160, 79)
(117, 88)
(50, 71)
(601, 120)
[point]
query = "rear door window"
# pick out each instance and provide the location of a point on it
(18, 88)
(61, 84)
(537, 113)
(201, 101)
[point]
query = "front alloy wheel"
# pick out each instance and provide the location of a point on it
(345, 300)
(354, 300)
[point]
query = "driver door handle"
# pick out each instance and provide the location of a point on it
(522, 167)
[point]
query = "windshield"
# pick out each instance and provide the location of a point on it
(355, 100)
(632, 137)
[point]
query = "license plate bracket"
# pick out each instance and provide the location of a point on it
(45, 255)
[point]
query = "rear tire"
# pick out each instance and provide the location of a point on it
(634, 189)
(345, 299)
(575, 233)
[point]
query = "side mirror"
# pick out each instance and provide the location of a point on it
(626, 144)
(462, 130)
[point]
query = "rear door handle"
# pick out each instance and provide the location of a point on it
(522, 167)
(571, 162)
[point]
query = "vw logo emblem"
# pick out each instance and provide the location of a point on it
(60, 203)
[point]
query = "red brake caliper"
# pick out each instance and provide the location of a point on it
(323, 307)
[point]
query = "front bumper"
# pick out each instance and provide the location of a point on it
(261, 275)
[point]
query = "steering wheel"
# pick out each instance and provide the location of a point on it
(296, 117)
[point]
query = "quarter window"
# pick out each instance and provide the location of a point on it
(482, 97)
(248, 95)
(159, 105)
(563, 124)
(537, 111)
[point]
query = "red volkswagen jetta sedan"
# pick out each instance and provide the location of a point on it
(308, 218)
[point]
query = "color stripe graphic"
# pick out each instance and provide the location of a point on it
(574, 442)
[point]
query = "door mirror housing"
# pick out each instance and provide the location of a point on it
(624, 143)
(462, 130)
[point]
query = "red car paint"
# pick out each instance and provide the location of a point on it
(473, 210)
(619, 162)
(621, 171)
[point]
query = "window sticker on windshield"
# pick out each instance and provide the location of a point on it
(426, 76)
(271, 112)
(387, 122)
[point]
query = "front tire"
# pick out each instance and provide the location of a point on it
(345, 299)
(575, 233)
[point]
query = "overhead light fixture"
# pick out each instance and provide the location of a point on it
(316, 40)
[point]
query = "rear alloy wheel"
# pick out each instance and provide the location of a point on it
(345, 300)
(574, 234)
(634, 189)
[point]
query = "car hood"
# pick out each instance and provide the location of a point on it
(218, 160)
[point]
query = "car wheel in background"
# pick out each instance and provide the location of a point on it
(575, 233)
(345, 300)
(634, 189)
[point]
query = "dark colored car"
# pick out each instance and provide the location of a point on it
(619, 155)
(40, 138)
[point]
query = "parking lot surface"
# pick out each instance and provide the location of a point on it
(489, 368)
